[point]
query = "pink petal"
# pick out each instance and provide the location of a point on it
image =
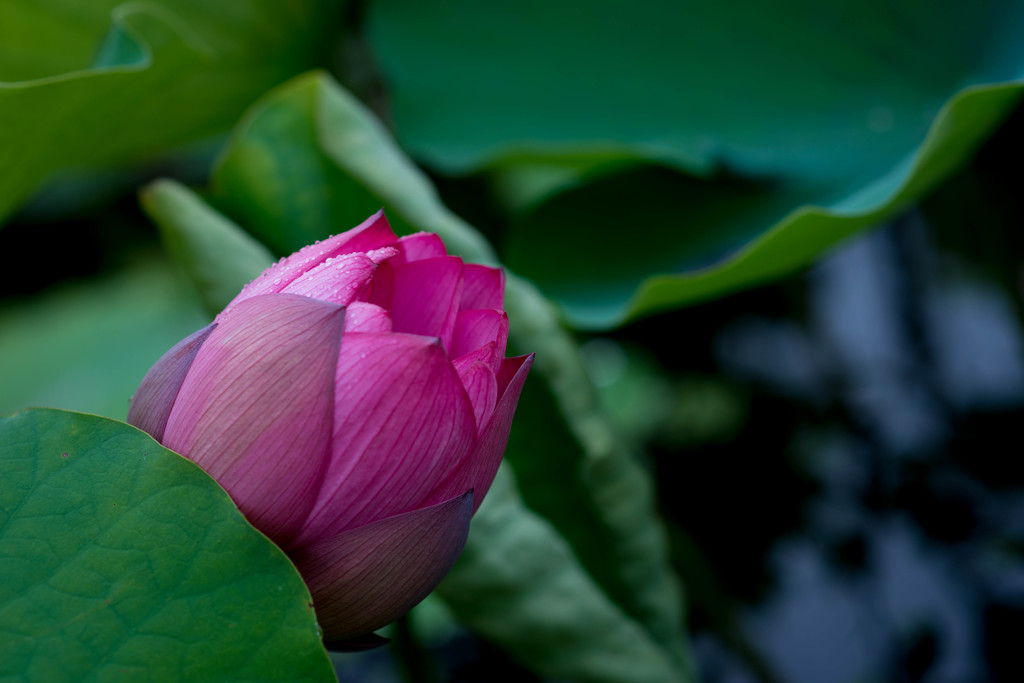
(481, 387)
(402, 422)
(383, 293)
(474, 328)
(367, 577)
(482, 287)
(364, 317)
(383, 254)
(419, 246)
(485, 354)
(476, 471)
(155, 396)
(510, 370)
(340, 280)
(373, 233)
(426, 295)
(256, 408)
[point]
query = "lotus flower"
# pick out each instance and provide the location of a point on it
(354, 400)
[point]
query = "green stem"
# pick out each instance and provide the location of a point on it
(415, 661)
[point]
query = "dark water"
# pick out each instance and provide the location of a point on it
(879, 534)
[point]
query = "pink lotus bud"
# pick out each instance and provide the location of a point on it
(355, 401)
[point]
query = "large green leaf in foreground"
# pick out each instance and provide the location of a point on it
(826, 117)
(123, 561)
(102, 82)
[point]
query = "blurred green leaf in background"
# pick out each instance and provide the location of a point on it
(99, 83)
(86, 346)
(765, 132)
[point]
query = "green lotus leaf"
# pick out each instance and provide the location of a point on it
(98, 83)
(124, 561)
(803, 122)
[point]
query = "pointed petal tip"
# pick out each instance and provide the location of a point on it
(378, 256)
(339, 279)
(373, 233)
(515, 368)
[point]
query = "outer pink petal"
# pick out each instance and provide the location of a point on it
(255, 410)
(402, 422)
(367, 577)
(483, 287)
(481, 387)
(426, 297)
(363, 317)
(474, 328)
(153, 400)
(340, 280)
(419, 246)
(373, 233)
(477, 470)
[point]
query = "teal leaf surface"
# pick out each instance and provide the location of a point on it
(88, 84)
(805, 122)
